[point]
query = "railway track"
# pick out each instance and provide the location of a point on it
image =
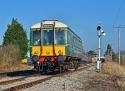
(29, 81)
(5, 82)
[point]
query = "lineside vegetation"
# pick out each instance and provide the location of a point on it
(116, 72)
(9, 55)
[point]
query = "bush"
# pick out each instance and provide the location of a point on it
(9, 55)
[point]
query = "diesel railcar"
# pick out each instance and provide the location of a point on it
(54, 45)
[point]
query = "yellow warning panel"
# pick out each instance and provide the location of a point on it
(60, 50)
(47, 50)
(36, 50)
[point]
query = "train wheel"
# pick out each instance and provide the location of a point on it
(42, 69)
(76, 65)
(36, 67)
(61, 68)
(66, 67)
(50, 69)
(71, 65)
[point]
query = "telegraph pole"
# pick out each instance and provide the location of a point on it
(119, 58)
(118, 29)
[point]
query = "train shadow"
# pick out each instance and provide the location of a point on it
(20, 73)
(29, 73)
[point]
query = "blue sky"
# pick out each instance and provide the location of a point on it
(82, 16)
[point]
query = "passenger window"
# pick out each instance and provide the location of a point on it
(59, 37)
(37, 38)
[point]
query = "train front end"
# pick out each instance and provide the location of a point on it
(47, 45)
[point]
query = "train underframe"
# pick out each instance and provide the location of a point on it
(50, 63)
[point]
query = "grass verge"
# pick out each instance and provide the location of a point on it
(116, 74)
(9, 55)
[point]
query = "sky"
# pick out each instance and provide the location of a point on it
(82, 16)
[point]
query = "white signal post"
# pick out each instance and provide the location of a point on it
(100, 33)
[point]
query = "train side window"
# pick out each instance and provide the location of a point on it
(36, 38)
(69, 38)
(59, 37)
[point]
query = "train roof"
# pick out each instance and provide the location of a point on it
(49, 22)
(57, 24)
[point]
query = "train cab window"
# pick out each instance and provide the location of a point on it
(36, 38)
(59, 37)
(48, 37)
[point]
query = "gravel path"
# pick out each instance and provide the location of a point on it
(70, 82)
